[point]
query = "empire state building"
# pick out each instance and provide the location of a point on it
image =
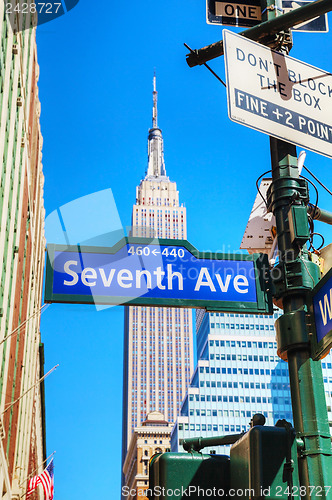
(158, 346)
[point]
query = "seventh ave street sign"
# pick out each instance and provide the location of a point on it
(156, 272)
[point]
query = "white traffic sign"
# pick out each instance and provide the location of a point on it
(316, 25)
(278, 95)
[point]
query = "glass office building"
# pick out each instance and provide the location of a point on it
(238, 374)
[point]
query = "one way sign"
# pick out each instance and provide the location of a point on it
(247, 13)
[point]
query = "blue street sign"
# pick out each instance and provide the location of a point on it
(322, 310)
(157, 273)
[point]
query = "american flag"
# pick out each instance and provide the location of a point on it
(46, 479)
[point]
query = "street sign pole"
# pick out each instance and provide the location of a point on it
(264, 32)
(293, 277)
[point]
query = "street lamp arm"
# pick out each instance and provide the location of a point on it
(319, 214)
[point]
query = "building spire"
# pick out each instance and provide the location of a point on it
(156, 164)
(155, 101)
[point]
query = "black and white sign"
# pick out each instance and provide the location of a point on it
(244, 13)
(278, 95)
(247, 13)
(317, 25)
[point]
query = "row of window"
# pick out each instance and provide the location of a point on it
(276, 372)
(244, 385)
(241, 326)
(160, 202)
(240, 357)
(212, 427)
(231, 413)
(252, 399)
(229, 428)
(227, 315)
(245, 371)
(243, 343)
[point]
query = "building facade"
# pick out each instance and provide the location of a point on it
(153, 436)
(238, 374)
(158, 351)
(22, 248)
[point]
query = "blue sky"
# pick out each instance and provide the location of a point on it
(96, 69)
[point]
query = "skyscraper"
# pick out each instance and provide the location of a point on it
(158, 351)
(22, 248)
(238, 374)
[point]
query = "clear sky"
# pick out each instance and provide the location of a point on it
(96, 70)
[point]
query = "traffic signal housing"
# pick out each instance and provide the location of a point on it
(263, 463)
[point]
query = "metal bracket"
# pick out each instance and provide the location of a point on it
(272, 7)
(315, 448)
(291, 332)
(317, 451)
(314, 434)
(284, 189)
(285, 39)
(294, 276)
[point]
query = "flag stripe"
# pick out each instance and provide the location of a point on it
(46, 479)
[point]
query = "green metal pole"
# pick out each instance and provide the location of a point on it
(294, 276)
